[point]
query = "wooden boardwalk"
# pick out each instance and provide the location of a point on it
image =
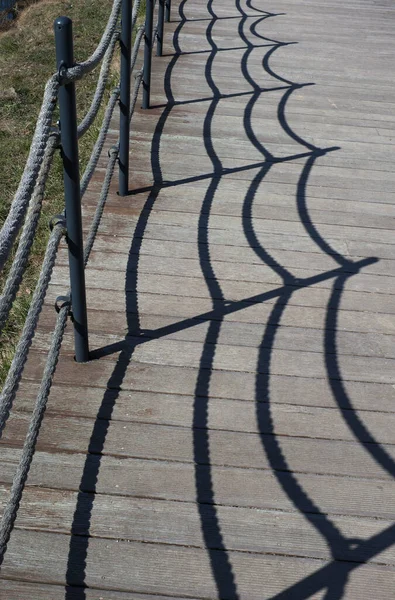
(234, 437)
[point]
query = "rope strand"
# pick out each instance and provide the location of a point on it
(15, 372)
(19, 264)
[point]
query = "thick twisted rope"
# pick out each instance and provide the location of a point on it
(104, 72)
(113, 154)
(81, 69)
(28, 180)
(27, 237)
(154, 35)
(12, 506)
(136, 88)
(98, 147)
(136, 46)
(91, 166)
(100, 88)
(15, 372)
(135, 12)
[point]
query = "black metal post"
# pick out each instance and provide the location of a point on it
(149, 16)
(167, 11)
(71, 177)
(161, 26)
(124, 101)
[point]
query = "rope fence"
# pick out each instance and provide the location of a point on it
(25, 209)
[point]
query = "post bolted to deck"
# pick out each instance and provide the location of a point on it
(68, 127)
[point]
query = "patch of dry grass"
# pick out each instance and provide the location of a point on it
(27, 59)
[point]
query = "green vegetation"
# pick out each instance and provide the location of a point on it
(27, 59)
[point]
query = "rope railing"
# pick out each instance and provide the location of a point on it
(136, 47)
(25, 209)
(98, 147)
(135, 13)
(19, 263)
(77, 71)
(100, 88)
(27, 184)
(15, 372)
(22, 471)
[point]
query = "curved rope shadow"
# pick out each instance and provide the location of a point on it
(339, 546)
(287, 480)
(79, 541)
(222, 570)
(220, 564)
(358, 428)
(334, 577)
(339, 392)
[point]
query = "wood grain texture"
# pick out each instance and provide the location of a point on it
(175, 481)
(233, 435)
(163, 522)
(23, 590)
(167, 569)
(230, 448)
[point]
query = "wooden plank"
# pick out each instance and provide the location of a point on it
(273, 131)
(347, 129)
(143, 178)
(303, 254)
(156, 379)
(248, 359)
(115, 224)
(345, 161)
(229, 85)
(191, 312)
(342, 160)
(183, 199)
(184, 235)
(223, 414)
(306, 101)
(194, 91)
(230, 448)
(143, 478)
(312, 289)
(23, 590)
(303, 307)
(284, 362)
(249, 262)
(165, 569)
(306, 104)
(223, 384)
(180, 523)
(351, 155)
(231, 333)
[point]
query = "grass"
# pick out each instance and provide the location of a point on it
(8, 16)
(27, 59)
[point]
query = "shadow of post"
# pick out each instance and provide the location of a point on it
(332, 577)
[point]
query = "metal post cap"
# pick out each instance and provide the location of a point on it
(62, 22)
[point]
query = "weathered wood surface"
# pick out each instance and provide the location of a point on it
(158, 521)
(234, 436)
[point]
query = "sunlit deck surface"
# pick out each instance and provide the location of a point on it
(234, 436)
